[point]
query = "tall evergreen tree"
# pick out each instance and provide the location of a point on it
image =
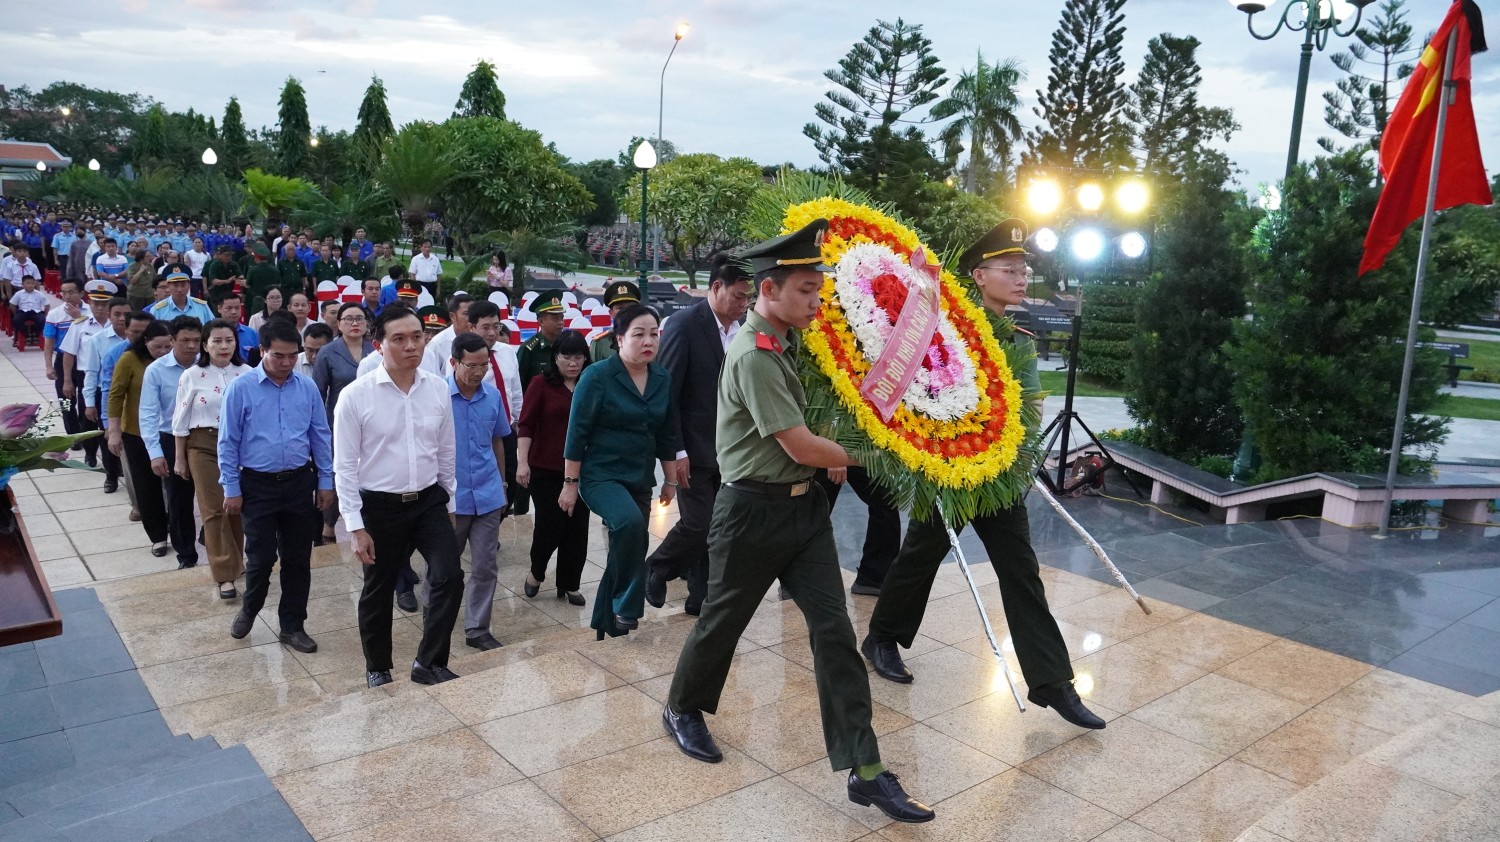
(871, 129)
(294, 130)
(150, 148)
(234, 154)
(481, 95)
(1361, 104)
(1084, 103)
(983, 103)
(374, 116)
(1166, 121)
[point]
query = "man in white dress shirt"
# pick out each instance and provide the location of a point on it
(394, 463)
(425, 269)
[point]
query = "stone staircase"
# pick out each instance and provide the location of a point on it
(1437, 782)
(101, 763)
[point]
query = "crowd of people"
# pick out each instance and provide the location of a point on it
(422, 428)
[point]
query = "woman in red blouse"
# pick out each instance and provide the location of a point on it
(539, 467)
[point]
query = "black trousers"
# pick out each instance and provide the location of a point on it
(107, 460)
(1006, 535)
(683, 554)
(568, 536)
(397, 529)
(882, 530)
(70, 414)
(281, 519)
(512, 462)
(181, 527)
(150, 497)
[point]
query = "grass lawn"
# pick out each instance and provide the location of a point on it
(1056, 383)
(1481, 355)
(1483, 409)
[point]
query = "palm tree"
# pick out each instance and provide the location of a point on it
(269, 193)
(342, 209)
(984, 102)
(413, 175)
(553, 248)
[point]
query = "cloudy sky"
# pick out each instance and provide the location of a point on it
(585, 74)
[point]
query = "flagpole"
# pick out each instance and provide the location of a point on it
(1449, 86)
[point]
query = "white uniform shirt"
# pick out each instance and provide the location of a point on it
(29, 302)
(392, 441)
(425, 269)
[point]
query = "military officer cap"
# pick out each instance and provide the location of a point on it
(622, 292)
(100, 290)
(549, 302)
(1009, 237)
(406, 288)
(259, 250)
(171, 269)
(177, 275)
(433, 318)
(801, 249)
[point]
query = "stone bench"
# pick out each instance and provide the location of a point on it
(1349, 499)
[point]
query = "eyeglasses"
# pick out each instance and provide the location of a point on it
(1006, 270)
(351, 320)
(474, 366)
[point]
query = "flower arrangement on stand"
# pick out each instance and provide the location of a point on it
(901, 366)
(25, 447)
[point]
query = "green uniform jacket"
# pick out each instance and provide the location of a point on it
(534, 358)
(326, 270)
(259, 278)
(217, 270)
(604, 347)
(617, 432)
(760, 395)
(357, 269)
(291, 276)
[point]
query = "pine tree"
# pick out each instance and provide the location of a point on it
(1081, 109)
(1361, 105)
(234, 154)
(374, 116)
(1166, 121)
(481, 95)
(872, 132)
(150, 147)
(294, 130)
(984, 102)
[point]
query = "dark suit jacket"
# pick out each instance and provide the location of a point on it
(692, 353)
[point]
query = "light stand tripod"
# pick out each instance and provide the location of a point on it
(1061, 427)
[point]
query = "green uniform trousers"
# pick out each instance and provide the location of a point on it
(755, 540)
(622, 590)
(1006, 535)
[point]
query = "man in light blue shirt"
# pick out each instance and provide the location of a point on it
(480, 427)
(178, 302)
(276, 466)
(61, 242)
(158, 399)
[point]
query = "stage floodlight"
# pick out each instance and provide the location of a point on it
(1132, 197)
(1044, 197)
(1133, 245)
(1045, 240)
(1087, 245)
(1270, 198)
(1090, 197)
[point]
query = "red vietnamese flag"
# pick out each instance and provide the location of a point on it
(1406, 145)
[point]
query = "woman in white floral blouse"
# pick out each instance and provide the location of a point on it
(195, 425)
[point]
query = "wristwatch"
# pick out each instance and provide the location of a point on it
(570, 480)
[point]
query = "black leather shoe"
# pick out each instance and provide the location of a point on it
(886, 793)
(692, 609)
(531, 590)
(656, 590)
(483, 642)
(376, 679)
(407, 601)
(861, 589)
(627, 623)
(691, 734)
(111, 485)
(1064, 699)
(299, 640)
(885, 657)
(431, 675)
(159, 549)
(227, 591)
(576, 598)
(183, 565)
(241, 626)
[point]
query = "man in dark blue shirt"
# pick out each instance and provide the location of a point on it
(276, 466)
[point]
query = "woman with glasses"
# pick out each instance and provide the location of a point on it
(336, 367)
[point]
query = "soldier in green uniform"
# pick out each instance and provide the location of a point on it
(535, 355)
(997, 263)
(621, 294)
(262, 274)
(221, 271)
(771, 522)
(327, 267)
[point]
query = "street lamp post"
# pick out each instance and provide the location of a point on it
(645, 159)
(1320, 21)
(661, 106)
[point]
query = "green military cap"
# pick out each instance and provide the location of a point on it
(1009, 237)
(800, 249)
(622, 292)
(407, 288)
(259, 250)
(433, 318)
(548, 302)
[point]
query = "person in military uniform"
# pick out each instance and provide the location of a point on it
(997, 263)
(262, 273)
(178, 303)
(771, 522)
(621, 294)
(434, 321)
(407, 293)
(535, 355)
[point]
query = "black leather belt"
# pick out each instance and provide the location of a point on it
(772, 489)
(277, 476)
(393, 497)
